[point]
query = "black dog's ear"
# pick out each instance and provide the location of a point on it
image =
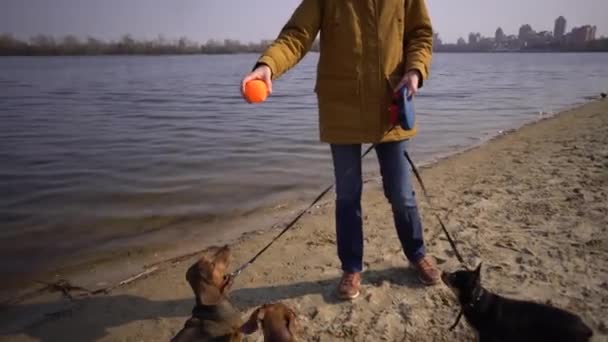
(478, 271)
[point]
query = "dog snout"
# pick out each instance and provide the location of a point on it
(222, 256)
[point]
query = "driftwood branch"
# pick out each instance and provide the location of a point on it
(66, 288)
(129, 280)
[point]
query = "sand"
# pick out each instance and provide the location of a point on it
(531, 204)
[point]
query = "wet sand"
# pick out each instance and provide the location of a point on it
(531, 204)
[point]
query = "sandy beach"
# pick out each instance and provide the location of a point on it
(532, 205)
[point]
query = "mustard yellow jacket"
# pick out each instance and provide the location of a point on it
(366, 46)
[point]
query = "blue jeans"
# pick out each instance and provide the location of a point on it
(397, 183)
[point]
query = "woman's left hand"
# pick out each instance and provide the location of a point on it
(410, 80)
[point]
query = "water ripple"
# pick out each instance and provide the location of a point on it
(109, 138)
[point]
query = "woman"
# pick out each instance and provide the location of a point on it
(368, 50)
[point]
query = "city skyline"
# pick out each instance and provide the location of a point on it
(560, 37)
(201, 21)
(560, 29)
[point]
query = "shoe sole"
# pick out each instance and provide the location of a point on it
(346, 297)
(427, 283)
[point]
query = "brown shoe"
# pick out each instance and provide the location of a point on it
(349, 285)
(427, 272)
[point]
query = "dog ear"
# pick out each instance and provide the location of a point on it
(478, 271)
(227, 283)
(291, 318)
(252, 324)
(193, 278)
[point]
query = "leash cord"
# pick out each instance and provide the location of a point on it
(428, 199)
(445, 230)
(294, 220)
(457, 320)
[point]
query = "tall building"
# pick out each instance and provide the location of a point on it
(525, 32)
(582, 34)
(474, 38)
(437, 40)
(499, 36)
(560, 28)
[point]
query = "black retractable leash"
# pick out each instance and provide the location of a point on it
(443, 227)
(402, 113)
(293, 221)
(428, 199)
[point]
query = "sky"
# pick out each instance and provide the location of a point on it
(253, 20)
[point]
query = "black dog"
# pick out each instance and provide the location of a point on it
(500, 319)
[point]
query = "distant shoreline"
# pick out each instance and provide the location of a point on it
(43, 45)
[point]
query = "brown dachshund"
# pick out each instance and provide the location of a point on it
(213, 317)
(278, 323)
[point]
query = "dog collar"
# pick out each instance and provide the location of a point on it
(471, 305)
(477, 298)
(204, 312)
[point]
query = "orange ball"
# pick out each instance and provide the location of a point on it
(256, 91)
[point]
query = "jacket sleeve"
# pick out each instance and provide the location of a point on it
(418, 38)
(295, 38)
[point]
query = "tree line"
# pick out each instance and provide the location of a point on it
(45, 45)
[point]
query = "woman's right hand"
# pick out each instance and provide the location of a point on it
(263, 73)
